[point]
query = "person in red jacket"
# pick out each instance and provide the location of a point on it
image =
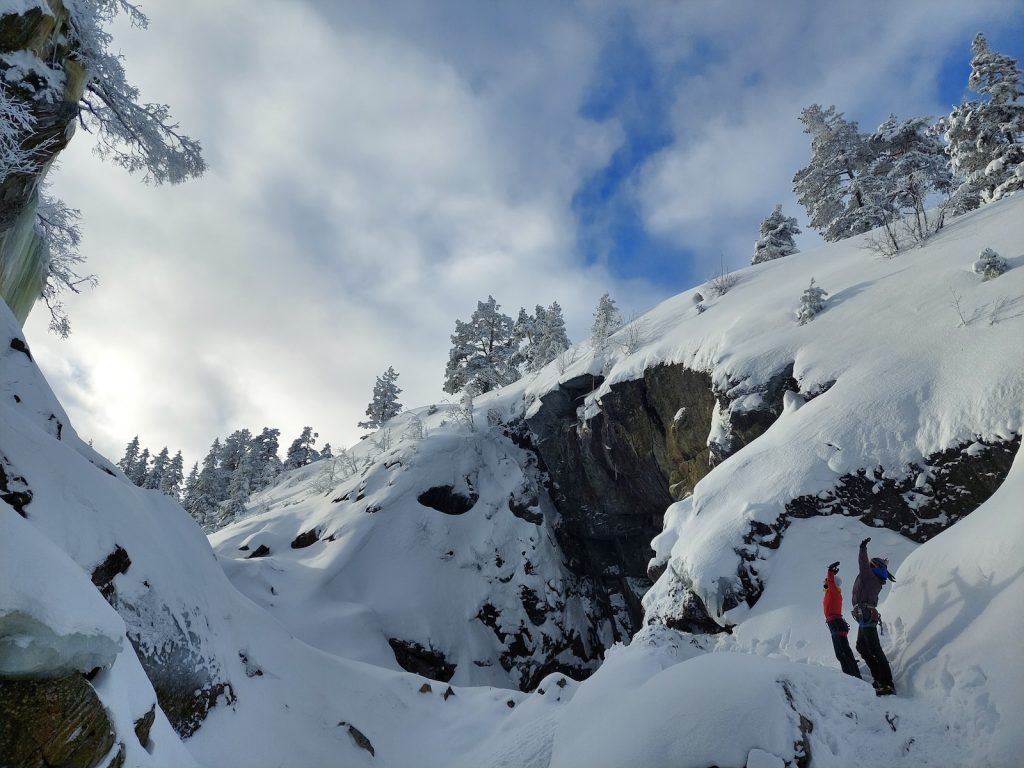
(833, 607)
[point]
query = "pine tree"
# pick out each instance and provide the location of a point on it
(170, 481)
(266, 463)
(811, 303)
(839, 195)
(607, 320)
(190, 485)
(141, 469)
(301, 452)
(326, 452)
(986, 136)
(483, 351)
(155, 474)
(908, 160)
(232, 452)
(208, 490)
(384, 406)
(776, 238)
(552, 339)
(130, 458)
(238, 491)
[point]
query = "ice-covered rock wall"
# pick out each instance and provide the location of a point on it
(41, 67)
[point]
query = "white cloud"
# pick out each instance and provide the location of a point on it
(375, 169)
(364, 191)
(738, 140)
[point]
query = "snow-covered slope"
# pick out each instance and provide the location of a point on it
(891, 398)
(241, 688)
(436, 549)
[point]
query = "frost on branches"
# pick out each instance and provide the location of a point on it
(483, 351)
(776, 238)
(830, 187)
(62, 68)
(607, 320)
(384, 405)
(990, 264)
(986, 136)
(811, 303)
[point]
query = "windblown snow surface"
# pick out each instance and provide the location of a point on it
(897, 373)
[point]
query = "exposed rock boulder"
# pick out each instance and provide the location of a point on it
(53, 722)
(413, 657)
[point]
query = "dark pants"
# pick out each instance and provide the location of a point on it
(870, 649)
(841, 643)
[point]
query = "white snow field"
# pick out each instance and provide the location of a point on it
(301, 634)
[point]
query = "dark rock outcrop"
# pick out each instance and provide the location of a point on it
(306, 539)
(144, 724)
(926, 500)
(614, 474)
(54, 722)
(14, 488)
(413, 657)
(103, 574)
(446, 499)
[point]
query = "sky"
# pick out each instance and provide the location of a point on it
(375, 169)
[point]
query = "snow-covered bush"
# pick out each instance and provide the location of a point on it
(990, 264)
(811, 303)
(723, 282)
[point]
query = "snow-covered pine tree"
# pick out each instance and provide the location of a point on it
(238, 491)
(208, 490)
(384, 406)
(524, 334)
(909, 162)
(840, 197)
(607, 320)
(301, 452)
(811, 303)
(265, 461)
(234, 449)
(130, 458)
(551, 339)
(986, 137)
(483, 351)
(155, 475)
(326, 452)
(990, 264)
(776, 238)
(188, 492)
(141, 469)
(170, 481)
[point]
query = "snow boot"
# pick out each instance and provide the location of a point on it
(884, 690)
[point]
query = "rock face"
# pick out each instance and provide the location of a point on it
(614, 474)
(53, 722)
(187, 679)
(49, 78)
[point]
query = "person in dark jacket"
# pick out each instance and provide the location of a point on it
(832, 604)
(872, 576)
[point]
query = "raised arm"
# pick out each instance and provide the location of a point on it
(862, 559)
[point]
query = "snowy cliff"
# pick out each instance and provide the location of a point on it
(503, 548)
